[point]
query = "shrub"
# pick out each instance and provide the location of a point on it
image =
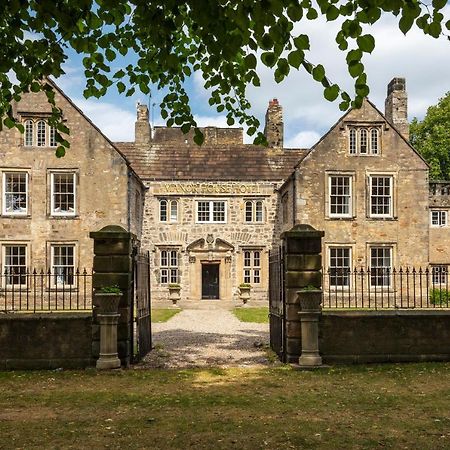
(439, 296)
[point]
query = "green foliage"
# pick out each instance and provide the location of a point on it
(431, 138)
(439, 297)
(115, 289)
(168, 41)
(252, 315)
(174, 286)
(245, 286)
(163, 314)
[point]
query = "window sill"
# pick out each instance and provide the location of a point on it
(386, 219)
(349, 218)
(76, 217)
(16, 216)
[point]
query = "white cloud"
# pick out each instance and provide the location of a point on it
(116, 123)
(304, 139)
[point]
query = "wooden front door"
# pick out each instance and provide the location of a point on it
(210, 281)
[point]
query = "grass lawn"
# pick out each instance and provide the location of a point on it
(255, 315)
(163, 314)
(365, 407)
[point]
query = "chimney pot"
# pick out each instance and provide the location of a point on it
(142, 130)
(274, 128)
(396, 105)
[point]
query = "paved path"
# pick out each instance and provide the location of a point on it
(204, 338)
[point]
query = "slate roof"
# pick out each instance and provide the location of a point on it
(219, 162)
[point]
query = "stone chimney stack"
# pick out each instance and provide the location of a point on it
(396, 105)
(142, 131)
(274, 129)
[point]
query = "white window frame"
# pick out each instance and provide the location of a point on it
(254, 215)
(251, 272)
(355, 133)
(439, 274)
(52, 194)
(350, 196)
(5, 276)
(211, 210)
(440, 219)
(169, 272)
(54, 267)
(390, 213)
(28, 135)
(38, 131)
(331, 267)
(15, 213)
(169, 205)
(387, 276)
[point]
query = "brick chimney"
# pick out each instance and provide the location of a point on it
(396, 105)
(274, 129)
(142, 131)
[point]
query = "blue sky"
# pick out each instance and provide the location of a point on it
(422, 60)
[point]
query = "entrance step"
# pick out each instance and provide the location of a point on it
(208, 304)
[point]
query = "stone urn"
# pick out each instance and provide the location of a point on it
(108, 302)
(244, 292)
(174, 293)
(310, 299)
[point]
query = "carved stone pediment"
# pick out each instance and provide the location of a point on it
(215, 245)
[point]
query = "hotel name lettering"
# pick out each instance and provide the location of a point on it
(210, 188)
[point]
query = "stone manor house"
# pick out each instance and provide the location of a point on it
(209, 215)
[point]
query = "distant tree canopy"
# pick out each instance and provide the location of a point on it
(431, 137)
(167, 41)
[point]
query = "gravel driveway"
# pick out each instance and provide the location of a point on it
(204, 338)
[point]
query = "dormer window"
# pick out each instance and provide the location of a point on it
(38, 133)
(364, 141)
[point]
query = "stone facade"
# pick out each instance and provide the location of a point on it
(97, 183)
(209, 215)
(357, 228)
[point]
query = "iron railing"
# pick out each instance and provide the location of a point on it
(59, 289)
(384, 288)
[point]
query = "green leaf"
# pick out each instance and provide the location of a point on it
(318, 72)
(198, 137)
(268, 59)
(121, 87)
(9, 122)
(295, 12)
(250, 61)
(302, 42)
(439, 4)
(355, 69)
(331, 93)
(60, 151)
(405, 23)
(332, 13)
(110, 55)
(311, 14)
(366, 43)
(295, 58)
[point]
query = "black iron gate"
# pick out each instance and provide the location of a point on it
(141, 324)
(277, 303)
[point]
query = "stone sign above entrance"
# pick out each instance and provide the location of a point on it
(209, 188)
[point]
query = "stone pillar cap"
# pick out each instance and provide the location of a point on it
(303, 230)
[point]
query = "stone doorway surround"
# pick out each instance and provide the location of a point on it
(207, 251)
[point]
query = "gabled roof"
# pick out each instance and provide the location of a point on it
(53, 84)
(215, 162)
(342, 118)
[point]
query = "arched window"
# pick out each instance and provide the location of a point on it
(168, 210)
(374, 141)
(173, 210)
(352, 141)
(41, 133)
(29, 131)
(363, 141)
(52, 137)
(249, 211)
(258, 211)
(163, 211)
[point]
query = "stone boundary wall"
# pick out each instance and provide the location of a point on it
(46, 341)
(384, 336)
